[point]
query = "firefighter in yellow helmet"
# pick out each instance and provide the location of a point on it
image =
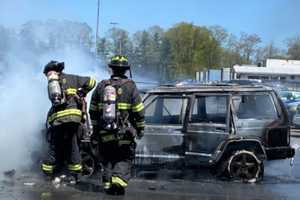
(117, 116)
(65, 118)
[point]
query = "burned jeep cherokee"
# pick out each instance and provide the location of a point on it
(230, 128)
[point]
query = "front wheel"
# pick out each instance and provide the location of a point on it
(246, 166)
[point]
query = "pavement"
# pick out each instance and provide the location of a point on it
(281, 181)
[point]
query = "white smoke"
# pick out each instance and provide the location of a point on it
(23, 107)
(24, 99)
(23, 86)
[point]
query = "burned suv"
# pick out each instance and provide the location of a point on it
(231, 128)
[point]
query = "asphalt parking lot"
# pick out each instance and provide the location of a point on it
(281, 181)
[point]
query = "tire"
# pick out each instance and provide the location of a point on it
(246, 166)
(88, 164)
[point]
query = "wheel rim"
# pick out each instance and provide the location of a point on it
(88, 164)
(244, 165)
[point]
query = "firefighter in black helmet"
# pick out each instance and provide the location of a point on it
(65, 118)
(117, 116)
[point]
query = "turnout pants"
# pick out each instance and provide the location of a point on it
(63, 149)
(117, 160)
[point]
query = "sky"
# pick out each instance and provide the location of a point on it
(273, 20)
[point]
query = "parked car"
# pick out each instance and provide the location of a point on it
(296, 118)
(291, 100)
(231, 128)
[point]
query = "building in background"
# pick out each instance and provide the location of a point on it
(283, 72)
(275, 69)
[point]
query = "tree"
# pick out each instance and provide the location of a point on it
(240, 50)
(269, 51)
(120, 41)
(166, 59)
(193, 48)
(142, 45)
(156, 34)
(294, 48)
(248, 44)
(104, 47)
(147, 50)
(232, 52)
(219, 34)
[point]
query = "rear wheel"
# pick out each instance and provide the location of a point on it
(246, 166)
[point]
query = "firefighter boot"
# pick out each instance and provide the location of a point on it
(115, 189)
(118, 186)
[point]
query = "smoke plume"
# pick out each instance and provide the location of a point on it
(23, 91)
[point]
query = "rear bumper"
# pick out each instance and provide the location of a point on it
(274, 153)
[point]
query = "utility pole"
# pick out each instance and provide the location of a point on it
(97, 26)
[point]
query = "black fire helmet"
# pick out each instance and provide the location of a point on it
(119, 62)
(54, 66)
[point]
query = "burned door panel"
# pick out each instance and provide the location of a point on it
(207, 127)
(162, 144)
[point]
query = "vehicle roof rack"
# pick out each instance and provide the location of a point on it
(193, 83)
